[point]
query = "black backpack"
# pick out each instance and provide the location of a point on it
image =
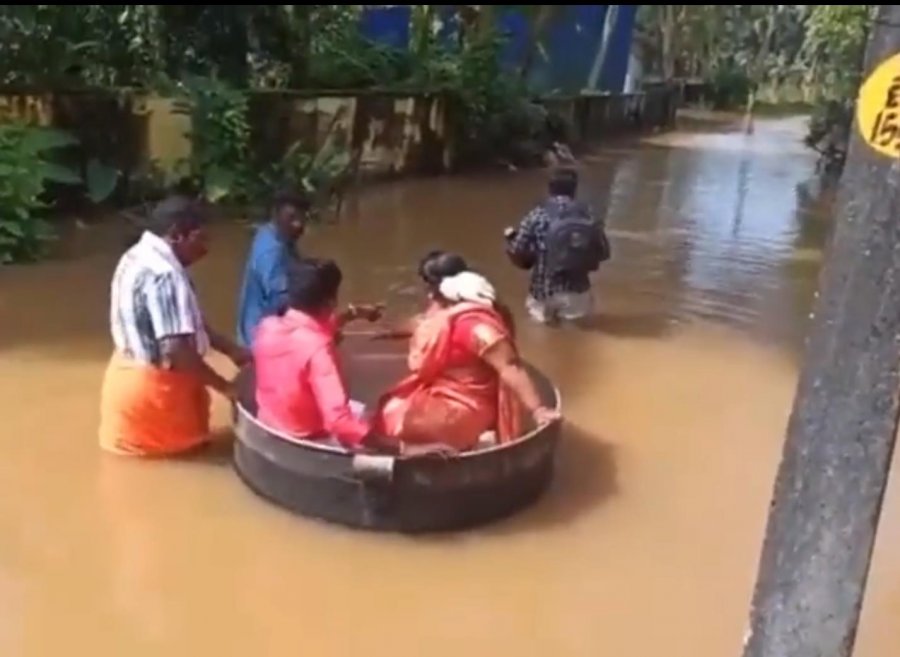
(576, 243)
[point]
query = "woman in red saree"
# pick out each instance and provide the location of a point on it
(466, 378)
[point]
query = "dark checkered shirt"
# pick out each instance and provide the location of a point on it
(531, 238)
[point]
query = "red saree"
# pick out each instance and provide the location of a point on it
(451, 395)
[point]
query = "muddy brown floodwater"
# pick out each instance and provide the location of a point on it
(677, 398)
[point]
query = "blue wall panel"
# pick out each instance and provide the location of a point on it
(571, 43)
(387, 25)
(615, 69)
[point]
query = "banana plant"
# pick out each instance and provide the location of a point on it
(28, 166)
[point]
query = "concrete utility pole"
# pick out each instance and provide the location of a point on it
(841, 435)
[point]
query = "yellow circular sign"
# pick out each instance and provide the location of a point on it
(878, 108)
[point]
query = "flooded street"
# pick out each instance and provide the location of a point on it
(676, 396)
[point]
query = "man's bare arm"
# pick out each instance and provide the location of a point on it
(181, 356)
(225, 345)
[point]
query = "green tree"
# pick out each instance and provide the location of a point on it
(834, 52)
(766, 45)
(835, 45)
(43, 44)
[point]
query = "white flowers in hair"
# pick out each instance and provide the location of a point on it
(468, 286)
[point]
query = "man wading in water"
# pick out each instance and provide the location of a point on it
(265, 288)
(562, 244)
(273, 255)
(154, 400)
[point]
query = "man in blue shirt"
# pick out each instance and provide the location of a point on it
(264, 290)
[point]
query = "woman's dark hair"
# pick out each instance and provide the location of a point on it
(313, 284)
(563, 182)
(438, 265)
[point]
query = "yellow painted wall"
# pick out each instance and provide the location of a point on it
(168, 140)
(34, 109)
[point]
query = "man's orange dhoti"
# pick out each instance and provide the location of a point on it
(150, 411)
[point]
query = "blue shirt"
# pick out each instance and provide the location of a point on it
(264, 290)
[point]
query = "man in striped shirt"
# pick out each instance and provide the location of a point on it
(154, 399)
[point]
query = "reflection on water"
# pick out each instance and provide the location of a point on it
(677, 395)
(712, 227)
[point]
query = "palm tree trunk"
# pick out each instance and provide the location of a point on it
(668, 26)
(748, 112)
(535, 33)
(758, 64)
(609, 28)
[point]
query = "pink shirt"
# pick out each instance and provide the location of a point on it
(300, 389)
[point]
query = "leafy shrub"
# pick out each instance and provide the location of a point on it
(350, 61)
(828, 134)
(26, 169)
(220, 138)
(221, 166)
(494, 117)
(831, 117)
(493, 114)
(23, 172)
(322, 174)
(729, 88)
(311, 172)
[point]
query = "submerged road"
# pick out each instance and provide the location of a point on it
(676, 396)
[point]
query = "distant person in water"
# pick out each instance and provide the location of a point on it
(562, 244)
(264, 290)
(300, 388)
(154, 400)
(466, 378)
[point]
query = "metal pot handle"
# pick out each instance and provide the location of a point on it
(374, 467)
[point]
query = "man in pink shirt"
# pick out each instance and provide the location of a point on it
(300, 389)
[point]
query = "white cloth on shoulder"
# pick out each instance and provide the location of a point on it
(357, 408)
(468, 286)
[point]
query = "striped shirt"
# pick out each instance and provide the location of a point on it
(152, 298)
